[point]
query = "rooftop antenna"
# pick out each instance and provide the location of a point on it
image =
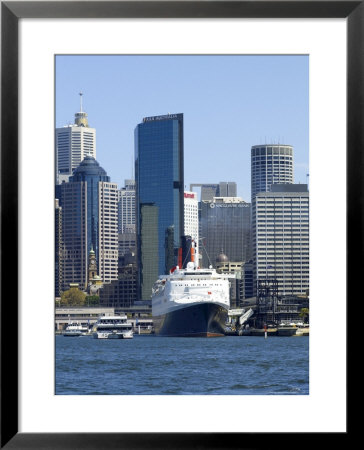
(81, 94)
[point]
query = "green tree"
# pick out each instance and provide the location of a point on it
(92, 300)
(73, 297)
(304, 313)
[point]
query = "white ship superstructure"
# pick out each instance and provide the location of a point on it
(113, 327)
(75, 329)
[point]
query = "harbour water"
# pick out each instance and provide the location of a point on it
(150, 365)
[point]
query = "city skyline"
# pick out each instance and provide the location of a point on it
(230, 103)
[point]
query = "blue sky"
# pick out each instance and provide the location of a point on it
(229, 104)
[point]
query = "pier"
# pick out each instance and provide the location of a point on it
(142, 322)
(289, 331)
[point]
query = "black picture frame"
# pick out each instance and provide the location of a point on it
(11, 12)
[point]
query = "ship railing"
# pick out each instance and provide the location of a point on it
(194, 297)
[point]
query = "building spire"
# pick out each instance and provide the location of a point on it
(81, 117)
(81, 94)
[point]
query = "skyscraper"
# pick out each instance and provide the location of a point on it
(207, 193)
(89, 221)
(73, 143)
(281, 237)
(270, 164)
(126, 204)
(159, 182)
(225, 227)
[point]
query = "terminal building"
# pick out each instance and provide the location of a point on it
(139, 316)
(241, 282)
(84, 315)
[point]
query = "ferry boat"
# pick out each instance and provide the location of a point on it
(113, 327)
(75, 329)
(190, 302)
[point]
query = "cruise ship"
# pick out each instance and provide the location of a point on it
(190, 302)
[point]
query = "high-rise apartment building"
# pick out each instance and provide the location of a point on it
(270, 164)
(127, 222)
(73, 143)
(281, 237)
(126, 204)
(159, 182)
(89, 204)
(225, 227)
(191, 224)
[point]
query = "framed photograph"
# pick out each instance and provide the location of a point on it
(40, 41)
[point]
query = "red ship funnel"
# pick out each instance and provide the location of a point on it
(192, 254)
(180, 257)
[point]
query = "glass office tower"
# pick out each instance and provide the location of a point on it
(159, 181)
(89, 221)
(225, 227)
(89, 171)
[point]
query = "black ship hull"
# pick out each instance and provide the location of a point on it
(201, 320)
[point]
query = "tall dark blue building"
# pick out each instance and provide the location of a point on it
(89, 221)
(159, 182)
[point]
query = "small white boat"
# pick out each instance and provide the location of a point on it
(75, 329)
(113, 327)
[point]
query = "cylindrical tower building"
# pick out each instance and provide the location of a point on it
(270, 163)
